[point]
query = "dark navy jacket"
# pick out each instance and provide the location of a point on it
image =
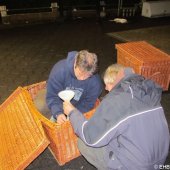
(62, 77)
(130, 123)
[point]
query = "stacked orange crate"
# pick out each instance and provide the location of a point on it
(146, 60)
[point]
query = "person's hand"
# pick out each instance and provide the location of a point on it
(67, 107)
(61, 118)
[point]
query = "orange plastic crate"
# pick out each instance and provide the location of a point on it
(63, 141)
(146, 60)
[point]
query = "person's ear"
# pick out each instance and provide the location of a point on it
(121, 74)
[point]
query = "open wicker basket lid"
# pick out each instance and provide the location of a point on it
(22, 137)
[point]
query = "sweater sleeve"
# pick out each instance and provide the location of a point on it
(100, 129)
(54, 86)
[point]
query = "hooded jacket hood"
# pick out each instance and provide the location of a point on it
(70, 62)
(143, 90)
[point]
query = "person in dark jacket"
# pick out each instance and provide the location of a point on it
(128, 130)
(77, 73)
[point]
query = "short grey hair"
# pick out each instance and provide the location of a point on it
(111, 73)
(86, 61)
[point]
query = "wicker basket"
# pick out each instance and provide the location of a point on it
(63, 141)
(146, 60)
(22, 137)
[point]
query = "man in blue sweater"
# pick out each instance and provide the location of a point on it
(77, 73)
(129, 130)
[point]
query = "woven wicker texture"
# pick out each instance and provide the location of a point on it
(146, 60)
(22, 137)
(63, 141)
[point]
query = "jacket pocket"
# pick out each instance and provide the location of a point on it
(113, 162)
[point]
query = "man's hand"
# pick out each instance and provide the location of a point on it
(61, 118)
(67, 107)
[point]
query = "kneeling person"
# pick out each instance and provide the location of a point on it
(128, 131)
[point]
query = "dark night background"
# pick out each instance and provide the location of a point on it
(26, 6)
(13, 4)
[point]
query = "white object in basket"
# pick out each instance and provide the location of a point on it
(66, 95)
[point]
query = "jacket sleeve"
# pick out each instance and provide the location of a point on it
(93, 92)
(99, 130)
(54, 86)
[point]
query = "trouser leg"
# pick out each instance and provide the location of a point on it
(95, 156)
